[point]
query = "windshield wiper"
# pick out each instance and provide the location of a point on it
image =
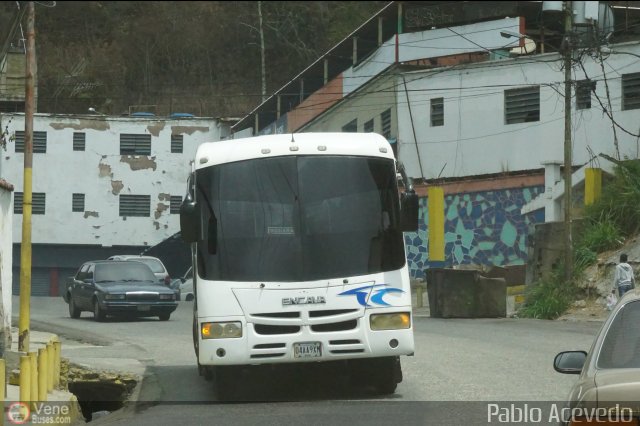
(105, 281)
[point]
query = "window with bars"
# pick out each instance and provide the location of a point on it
(135, 205)
(177, 142)
(175, 203)
(385, 119)
(631, 91)
(368, 126)
(37, 202)
(522, 105)
(39, 142)
(437, 112)
(583, 93)
(77, 203)
(351, 126)
(78, 141)
(135, 144)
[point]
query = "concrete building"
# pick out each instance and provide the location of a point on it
(101, 186)
(473, 110)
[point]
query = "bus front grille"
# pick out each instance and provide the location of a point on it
(269, 330)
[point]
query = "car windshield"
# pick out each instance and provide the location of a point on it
(154, 264)
(621, 345)
(123, 271)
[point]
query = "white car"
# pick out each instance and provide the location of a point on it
(186, 288)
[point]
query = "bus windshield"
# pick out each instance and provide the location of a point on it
(299, 218)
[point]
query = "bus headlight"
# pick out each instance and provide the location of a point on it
(393, 321)
(221, 330)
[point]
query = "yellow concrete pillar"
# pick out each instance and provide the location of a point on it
(3, 384)
(34, 378)
(42, 376)
(592, 185)
(56, 363)
(25, 379)
(435, 206)
(50, 361)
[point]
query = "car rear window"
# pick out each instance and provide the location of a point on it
(621, 345)
(122, 271)
(155, 265)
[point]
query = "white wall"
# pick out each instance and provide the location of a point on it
(477, 37)
(101, 173)
(6, 248)
(368, 104)
(475, 139)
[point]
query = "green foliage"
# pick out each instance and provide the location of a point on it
(615, 216)
(197, 57)
(548, 299)
(619, 202)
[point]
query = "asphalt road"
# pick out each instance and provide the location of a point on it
(460, 368)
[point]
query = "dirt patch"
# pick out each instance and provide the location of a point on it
(586, 310)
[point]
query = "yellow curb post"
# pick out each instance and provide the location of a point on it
(50, 356)
(25, 379)
(3, 383)
(56, 364)
(42, 377)
(34, 378)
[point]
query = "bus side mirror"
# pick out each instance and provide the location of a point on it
(409, 211)
(190, 222)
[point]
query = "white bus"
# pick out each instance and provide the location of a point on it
(299, 256)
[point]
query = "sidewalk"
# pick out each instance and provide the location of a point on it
(60, 407)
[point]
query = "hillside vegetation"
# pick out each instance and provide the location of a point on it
(609, 225)
(197, 57)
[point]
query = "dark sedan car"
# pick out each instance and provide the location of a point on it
(115, 287)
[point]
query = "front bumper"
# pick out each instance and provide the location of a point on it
(138, 308)
(256, 347)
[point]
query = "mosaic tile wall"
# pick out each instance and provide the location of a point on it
(482, 228)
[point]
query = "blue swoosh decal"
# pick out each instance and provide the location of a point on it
(377, 298)
(361, 294)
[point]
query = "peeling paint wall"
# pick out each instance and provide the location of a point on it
(103, 175)
(6, 250)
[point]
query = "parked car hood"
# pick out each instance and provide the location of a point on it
(123, 287)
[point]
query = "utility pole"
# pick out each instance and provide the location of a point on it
(25, 246)
(567, 55)
(263, 73)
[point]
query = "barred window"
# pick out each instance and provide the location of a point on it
(522, 105)
(135, 144)
(39, 142)
(583, 93)
(351, 126)
(78, 141)
(385, 119)
(437, 112)
(77, 203)
(135, 205)
(37, 202)
(368, 126)
(175, 203)
(177, 142)
(631, 91)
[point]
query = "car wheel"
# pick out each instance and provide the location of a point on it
(98, 313)
(164, 317)
(189, 297)
(74, 312)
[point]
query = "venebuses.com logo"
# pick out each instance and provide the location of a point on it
(19, 413)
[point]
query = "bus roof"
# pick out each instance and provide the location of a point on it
(356, 144)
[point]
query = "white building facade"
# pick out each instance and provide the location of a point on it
(101, 185)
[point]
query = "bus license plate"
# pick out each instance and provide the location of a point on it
(307, 350)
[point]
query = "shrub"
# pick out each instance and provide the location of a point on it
(548, 299)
